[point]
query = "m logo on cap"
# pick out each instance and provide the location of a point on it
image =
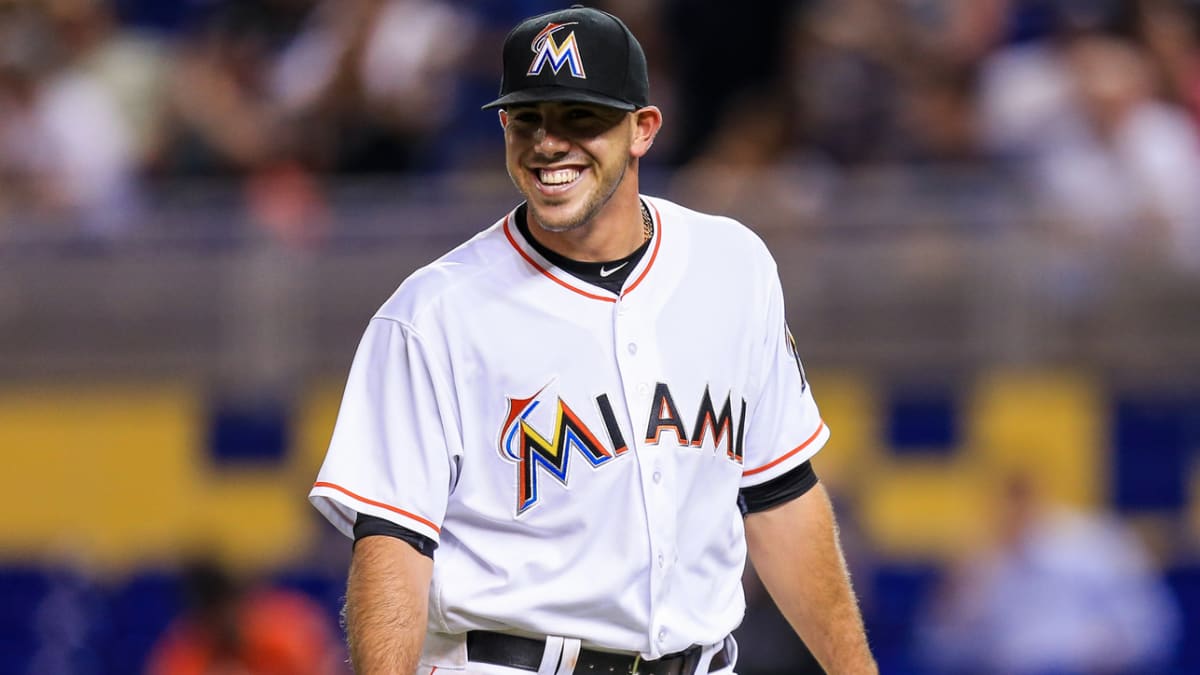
(547, 51)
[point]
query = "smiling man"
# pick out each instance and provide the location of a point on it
(559, 442)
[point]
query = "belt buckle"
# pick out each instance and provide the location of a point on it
(637, 660)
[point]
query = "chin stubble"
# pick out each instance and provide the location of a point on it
(589, 211)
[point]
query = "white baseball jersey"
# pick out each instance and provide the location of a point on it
(576, 454)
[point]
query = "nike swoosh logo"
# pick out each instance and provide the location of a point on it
(605, 273)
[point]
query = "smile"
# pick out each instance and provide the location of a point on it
(557, 180)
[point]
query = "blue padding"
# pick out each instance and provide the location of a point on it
(16, 654)
(898, 594)
(923, 422)
(1184, 582)
(140, 611)
(254, 434)
(22, 590)
(1153, 438)
(51, 620)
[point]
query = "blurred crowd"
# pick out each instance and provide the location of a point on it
(1092, 103)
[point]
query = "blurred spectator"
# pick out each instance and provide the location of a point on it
(69, 152)
(92, 162)
(1025, 87)
(222, 117)
(719, 54)
(939, 117)
(1171, 31)
(231, 630)
(955, 36)
(380, 76)
(1120, 176)
(1062, 592)
(24, 161)
(845, 80)
(286, 88)
(1024, 95)
(227, 117)
(130, 67)
(752, 170)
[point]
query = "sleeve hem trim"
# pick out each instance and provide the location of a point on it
(790, 453)
(372, 502)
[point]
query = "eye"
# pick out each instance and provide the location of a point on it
(526, 117)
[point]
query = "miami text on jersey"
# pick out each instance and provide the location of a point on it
(522, 444)
(547, 51)
(664, 416)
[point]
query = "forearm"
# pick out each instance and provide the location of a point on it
(386, 606)
(796, 553)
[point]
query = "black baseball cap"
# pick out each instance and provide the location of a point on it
(578, 54)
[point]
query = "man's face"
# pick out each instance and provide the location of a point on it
(566, 158)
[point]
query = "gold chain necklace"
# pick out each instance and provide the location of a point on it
(647, 222)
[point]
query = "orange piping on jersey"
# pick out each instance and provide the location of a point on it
(543, 270)
(657, 243)
(381, 505)
(798, 448)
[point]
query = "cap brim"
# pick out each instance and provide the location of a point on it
(539, 94)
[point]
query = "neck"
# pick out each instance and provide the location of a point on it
(615, 232)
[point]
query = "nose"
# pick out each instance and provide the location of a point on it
(548, 141)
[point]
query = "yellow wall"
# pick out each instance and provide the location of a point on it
(116, 475)
(934, 505)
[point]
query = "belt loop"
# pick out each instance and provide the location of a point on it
(551, 656)
(570, 656)
(705, 658)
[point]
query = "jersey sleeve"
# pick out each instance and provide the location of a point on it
(784, 428)
(389, 456)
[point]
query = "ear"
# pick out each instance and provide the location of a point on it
(503, 114)
(646, 123)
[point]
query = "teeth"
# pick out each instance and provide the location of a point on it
(558, 176)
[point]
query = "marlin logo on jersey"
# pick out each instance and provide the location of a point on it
(546, 50)
(521, 443)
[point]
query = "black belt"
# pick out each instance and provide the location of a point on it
(524, 653)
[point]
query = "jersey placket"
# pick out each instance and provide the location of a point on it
(637, 362)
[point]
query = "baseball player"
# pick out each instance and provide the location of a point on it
(559, 441)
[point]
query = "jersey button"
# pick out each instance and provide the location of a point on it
(657, 476)
(632, 347)
(662, 635)
(662, 561)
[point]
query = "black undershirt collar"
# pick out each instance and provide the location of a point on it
(591, 272)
